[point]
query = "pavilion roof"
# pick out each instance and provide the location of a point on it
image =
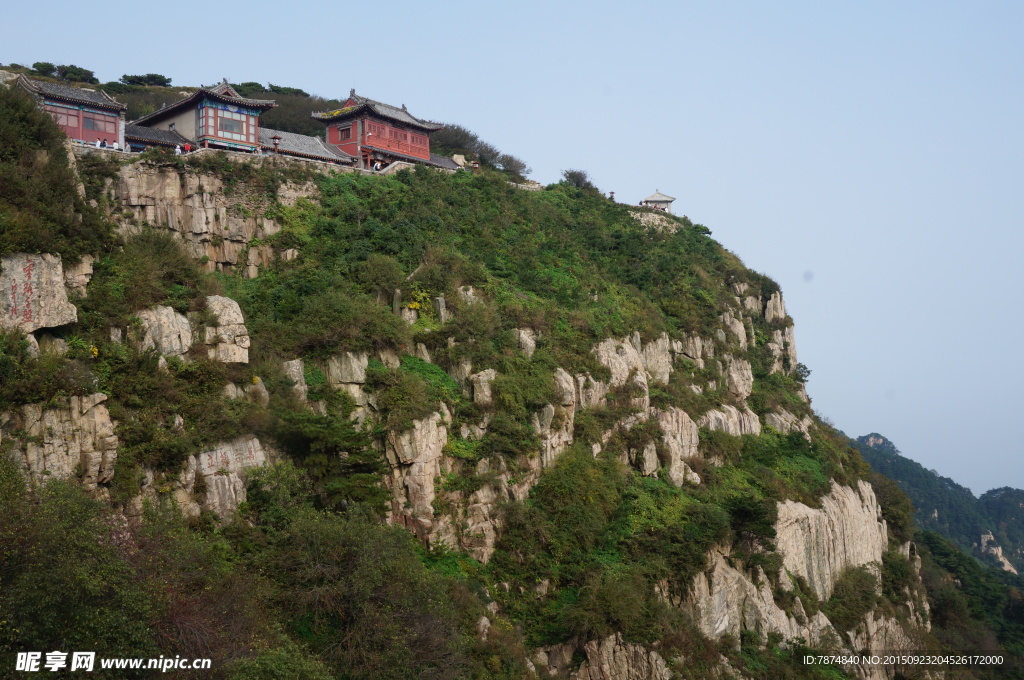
(365, 104)
(658, 197)
(70, 93)
(222, 92)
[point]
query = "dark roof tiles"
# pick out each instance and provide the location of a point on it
(383, 110)
(153, 136)
(302, 145)
(81, 95)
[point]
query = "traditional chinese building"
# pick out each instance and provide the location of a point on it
(85, 115)
(302, 146)
(378, 134)
(212, 117)
(658, 200)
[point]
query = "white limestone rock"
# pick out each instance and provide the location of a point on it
(481, 383)
(818, 544)
(33, 294)
(609, 658)
(725, 600)
(295, 370)
(164, 330)
(658, 356)
(527, 339)
(785, 422)
(735, 327)
(680, 441)
(739, 377)
(347, 368)
(223, 468)
(731, 420)
(77, 276)
(75, 439)
(228, 341)
(775, 310)
(415, 458)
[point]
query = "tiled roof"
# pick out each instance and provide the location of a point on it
(222, 92)
(439, 161)
(658, 197)
(444, 162)
(152, 135)
(383, 110)
(301, 145)
(96, 98)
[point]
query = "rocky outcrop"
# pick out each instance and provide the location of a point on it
(775, 310)
(415, 458)
(527, 339)
(731, 420)
(73, 440)
(783, 349)
(346, 372)
(77, 276)
(610, 658)
(215, 223)
(33, 294)
(554, 423)
(735, 328)
(819, 543)
(217, 476)
(164, 330)
(990, 547)
(295, 370)
(228, 341)
(724, 600)
(679, 436)
(785, 422)
(739, 378)
(481, 383)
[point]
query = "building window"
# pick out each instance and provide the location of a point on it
(233, 126)
(98, 125)
(344, 133)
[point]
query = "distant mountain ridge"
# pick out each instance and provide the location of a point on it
(990, 527)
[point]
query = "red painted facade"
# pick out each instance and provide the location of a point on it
(370, 136)
(84, 124)
(350, 135)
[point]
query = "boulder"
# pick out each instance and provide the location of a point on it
(481, 383)
(228, 341)
(164, 330)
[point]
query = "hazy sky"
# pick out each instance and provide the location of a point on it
(867, 155)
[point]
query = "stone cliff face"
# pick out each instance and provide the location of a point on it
(818, 544)
(76, 439)
(215, 221)
(73, 440)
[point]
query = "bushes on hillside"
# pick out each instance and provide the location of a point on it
(40, 208)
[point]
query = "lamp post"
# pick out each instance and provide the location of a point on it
(276, 139)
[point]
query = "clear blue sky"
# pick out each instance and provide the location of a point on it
(866, 155)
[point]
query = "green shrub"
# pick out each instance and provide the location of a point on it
(853, 596)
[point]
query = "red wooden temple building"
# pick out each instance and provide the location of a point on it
(83, 114)
(378, 134)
